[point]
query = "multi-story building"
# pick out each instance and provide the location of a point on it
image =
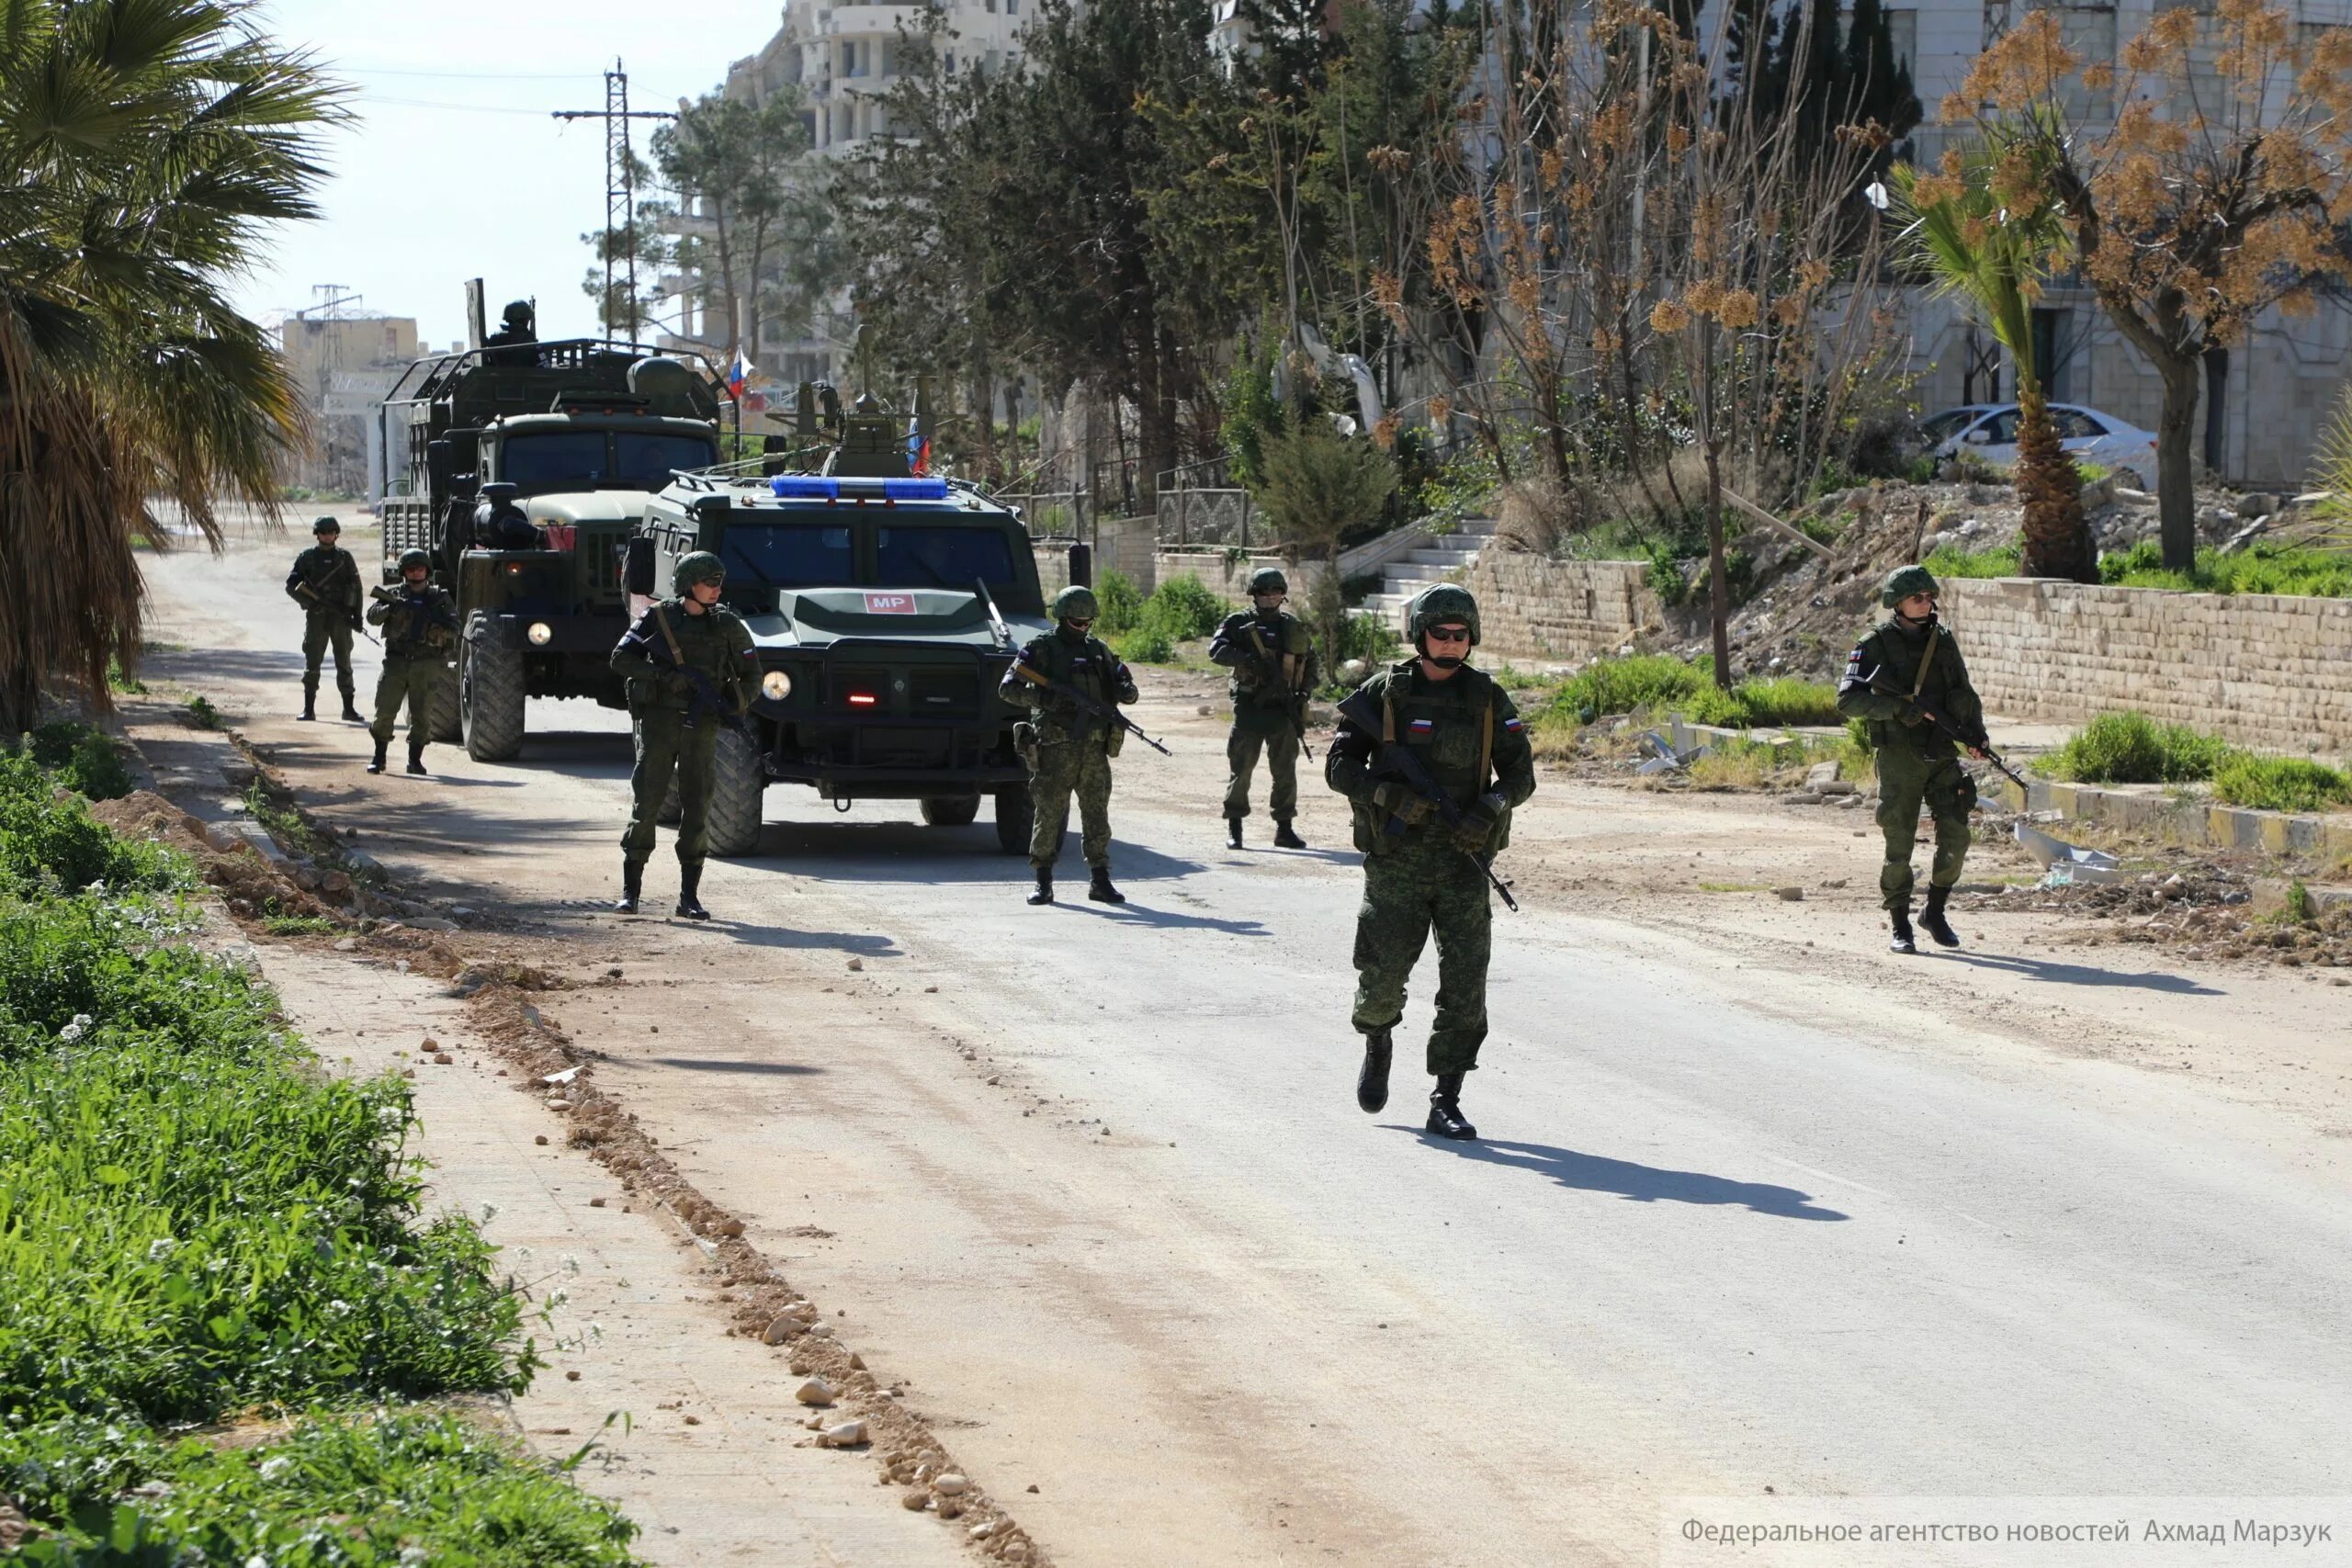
(842, 58)
(2277, 389)
(344, 363)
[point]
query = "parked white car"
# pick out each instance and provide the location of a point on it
(1990, 431)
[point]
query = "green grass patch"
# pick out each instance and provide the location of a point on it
(1651, 682)
(2318, 574)
(120, 680)
(298, 925)
(1146, 630)
(86, 760)
(47, 844)
(2006, 561)
(2280, 783)
(200, 713)
(2130, 748)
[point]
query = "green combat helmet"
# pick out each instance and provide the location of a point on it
(1438, 604)
(411, 560)
(1268, 579)
(326, 526)
(1906, 580)
(699, 567)
(1075, 604)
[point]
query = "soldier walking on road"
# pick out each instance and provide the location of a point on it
(420, 624)
(325, 583)
(691, 671)
(1419, 874)
(1272, 660)
(1911, 652)
(1069, 750)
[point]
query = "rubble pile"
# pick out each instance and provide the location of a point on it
(2203, 911)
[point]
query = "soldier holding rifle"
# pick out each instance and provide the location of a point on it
(1272, 660)
(325, 583)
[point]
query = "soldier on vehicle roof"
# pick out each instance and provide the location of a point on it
(1906, 663)
(516, 342)
(1067, 748)
(325, 583)
(420, 625)
(691, 669)
(1272, 660)
(1419, 874)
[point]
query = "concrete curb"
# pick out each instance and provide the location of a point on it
(2193, 821)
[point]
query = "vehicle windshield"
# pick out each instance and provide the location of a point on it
(1945, 425)
(789, 555)
(646, 460)
(941, 557)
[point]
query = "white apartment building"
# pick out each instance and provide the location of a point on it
(843, 58)
(2281, 383)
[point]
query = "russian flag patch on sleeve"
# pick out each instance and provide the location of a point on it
(1513, 724)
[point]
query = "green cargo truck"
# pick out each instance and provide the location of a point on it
(522, 471)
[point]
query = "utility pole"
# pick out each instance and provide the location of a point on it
(620, 189)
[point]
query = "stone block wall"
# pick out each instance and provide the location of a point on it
(1227, 576)
(1120, 544)
(1533, 609)
(2262, 670)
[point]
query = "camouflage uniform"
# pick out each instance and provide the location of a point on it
(676, 725)
(330, 610)
(420, 626)
(1917, 762)
(1272, 660)
(1067, 748)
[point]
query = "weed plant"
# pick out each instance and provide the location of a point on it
(201, 715)
(2281, 783)
(2130, 748)
(51, 843)
(1650, 681)
(86, 761)
(2317, 574)
(1178, 610)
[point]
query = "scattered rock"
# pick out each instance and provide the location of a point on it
(814, 1391)
(843, 1435)
(950, 1485)
(431, 924)
(2258, 503)
(914, 1500)
(348, 945)
(1821, 774)
(540, 1138)
(857, 964)
(442, 1059)
(781, 1328)
(1791, 895)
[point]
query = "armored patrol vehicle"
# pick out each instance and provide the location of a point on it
(885, 606)
(522, 469)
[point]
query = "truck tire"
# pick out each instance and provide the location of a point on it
(442, 721)
(489, 694)
(1015, 813)
(951, 810)
(736, 786)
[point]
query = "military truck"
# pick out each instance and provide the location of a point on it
(885, 607)
(522, 471)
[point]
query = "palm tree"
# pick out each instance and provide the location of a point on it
(143, 144)
(1995, 254)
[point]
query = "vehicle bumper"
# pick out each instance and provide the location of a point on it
(566, 634)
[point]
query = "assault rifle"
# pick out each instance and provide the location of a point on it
(1399, 761)
(704, 693)
(418, 606)
(357, 623)
(1106, 712)
(1941, 722)
(1273, 668)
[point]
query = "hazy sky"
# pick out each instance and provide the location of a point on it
(453, 169)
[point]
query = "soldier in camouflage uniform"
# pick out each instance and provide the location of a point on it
(691, 667)
(1911, 652)
(1272, 660)
(1069, 750)
(420, 625)
(1419, 874)
(325, 583)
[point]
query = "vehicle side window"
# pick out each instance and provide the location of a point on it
(2073, 424)
(2003, 428)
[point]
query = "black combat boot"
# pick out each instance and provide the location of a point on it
(689, 883)
(1900, 918)
(1286, 838)
(1233, 832)
(632, 886)
(1044, 890)
(1100, 889)
(351, 713)
(416, 758)
(1371, 1080)
(1445, 1109)
(377, 765)
(1932, 921)
(309, 699)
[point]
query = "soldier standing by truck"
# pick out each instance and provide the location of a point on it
(1272, 660)
(1428, 822)
(325, 583)
(1069, 679)
(691, 669)
(420, 625)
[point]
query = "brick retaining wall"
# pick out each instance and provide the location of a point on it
(2262, 670)
(1533, 608)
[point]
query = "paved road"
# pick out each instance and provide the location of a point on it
(1104, 1196)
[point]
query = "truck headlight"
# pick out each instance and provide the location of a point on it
(776, 685)
(541, 634)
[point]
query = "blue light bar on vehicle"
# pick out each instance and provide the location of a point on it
(826, 487)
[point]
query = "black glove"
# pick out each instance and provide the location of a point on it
(1478, 828)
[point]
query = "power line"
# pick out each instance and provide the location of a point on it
(468, 75)
(453, 108)
(620, 183)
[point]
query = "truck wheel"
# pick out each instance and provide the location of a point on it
(490, 694)
(950, 811)
(441, 720)
(735, 789)
(1015, 812)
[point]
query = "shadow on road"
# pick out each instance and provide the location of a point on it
(857, 943)
(845, 851)
(1642, 1183)
(2084, 974)
(1166, 920)
(696, 1064)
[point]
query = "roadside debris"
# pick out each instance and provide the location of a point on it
(2069, 864)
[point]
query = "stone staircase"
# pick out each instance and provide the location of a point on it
(1442, 556)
